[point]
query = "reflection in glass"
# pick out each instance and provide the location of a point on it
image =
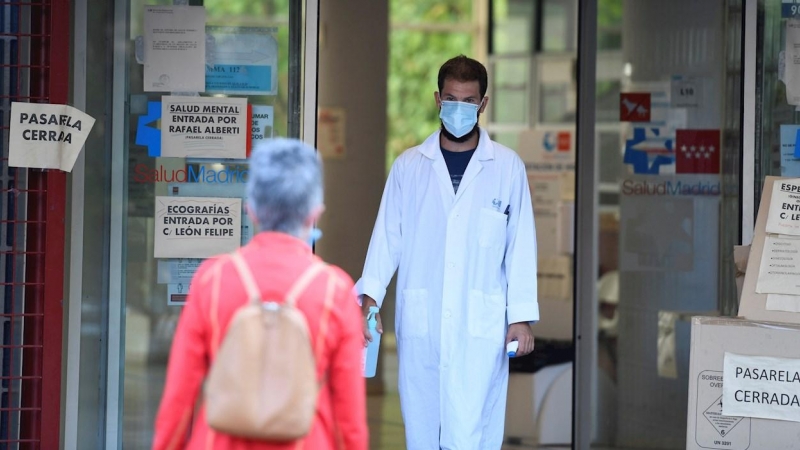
(150, 320)
(658, 254)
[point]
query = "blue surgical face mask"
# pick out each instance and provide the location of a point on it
(459, 118)
(314, 235)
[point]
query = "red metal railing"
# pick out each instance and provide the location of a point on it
(34, 67)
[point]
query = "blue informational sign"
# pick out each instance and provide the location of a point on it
(244, 61)
(790, 162)
(790, 9)
(239, 78)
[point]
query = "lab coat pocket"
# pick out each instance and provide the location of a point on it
(486, 315)
(491, 228)
(414, 313)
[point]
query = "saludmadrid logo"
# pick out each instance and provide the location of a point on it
(671, 187)
(142, 173)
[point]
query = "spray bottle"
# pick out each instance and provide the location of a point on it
(370, 359)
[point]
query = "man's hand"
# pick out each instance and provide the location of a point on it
(366, 302)
(521, 332)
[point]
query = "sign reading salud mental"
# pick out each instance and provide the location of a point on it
(47, 136)
(204, 127)
(762, 387)
(197, 227)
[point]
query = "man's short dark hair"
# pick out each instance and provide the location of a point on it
(464, 69)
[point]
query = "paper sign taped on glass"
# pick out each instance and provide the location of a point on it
(196, 227)
(46, 136)
(204, 127)
(784, 208)
(175, 48)
(245, 61)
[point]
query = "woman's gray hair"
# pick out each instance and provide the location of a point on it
(284, 184)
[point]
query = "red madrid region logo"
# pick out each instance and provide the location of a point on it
(697, 151)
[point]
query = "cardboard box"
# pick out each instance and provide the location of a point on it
(554, 277)
(707, 428)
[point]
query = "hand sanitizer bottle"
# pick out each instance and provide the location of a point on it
(511, 348)
(371, 351)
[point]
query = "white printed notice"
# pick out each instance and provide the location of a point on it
(175, 49)
(179, 270)
(784, 209)
(47, 136)
(262, 124)
(197, 227)
(791, 73)
(780, 266)
(762, 387)
(204, 127)
(781, 302)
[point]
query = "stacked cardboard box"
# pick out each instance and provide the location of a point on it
(758, 332)
(707, 427)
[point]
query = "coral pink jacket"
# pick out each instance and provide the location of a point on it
(276, 261)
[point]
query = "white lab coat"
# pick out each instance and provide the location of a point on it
(466, 270)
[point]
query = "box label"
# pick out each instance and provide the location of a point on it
(713, 429)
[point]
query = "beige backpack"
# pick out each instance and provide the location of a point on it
(263, 381)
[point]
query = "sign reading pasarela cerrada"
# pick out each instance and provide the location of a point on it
(197, 227)
(204, 127)
(47, 136)
(761, 386)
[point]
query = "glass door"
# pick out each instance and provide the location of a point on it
(657, 208)
(197, 85)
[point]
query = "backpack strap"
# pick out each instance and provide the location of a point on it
(254, 293)
(326, 312)
(302, 283)
(246, 275)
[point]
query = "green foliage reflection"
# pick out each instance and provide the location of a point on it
(416, 53)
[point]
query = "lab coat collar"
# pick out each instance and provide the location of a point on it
(431, 148)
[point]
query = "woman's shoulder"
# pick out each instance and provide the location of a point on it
(336, 272)
(209, 267)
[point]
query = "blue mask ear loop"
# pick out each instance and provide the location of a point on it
(313, 236)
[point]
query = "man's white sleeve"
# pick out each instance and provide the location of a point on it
(520, 260)
(383, 255)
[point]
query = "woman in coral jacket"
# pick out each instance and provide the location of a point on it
(284, 193)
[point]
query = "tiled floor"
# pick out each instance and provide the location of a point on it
(144, 383)
(386, 425)
(385, 421)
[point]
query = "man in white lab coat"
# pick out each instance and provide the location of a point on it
(456, 218)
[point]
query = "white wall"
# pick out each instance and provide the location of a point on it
(353, 67)
(353, 70)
